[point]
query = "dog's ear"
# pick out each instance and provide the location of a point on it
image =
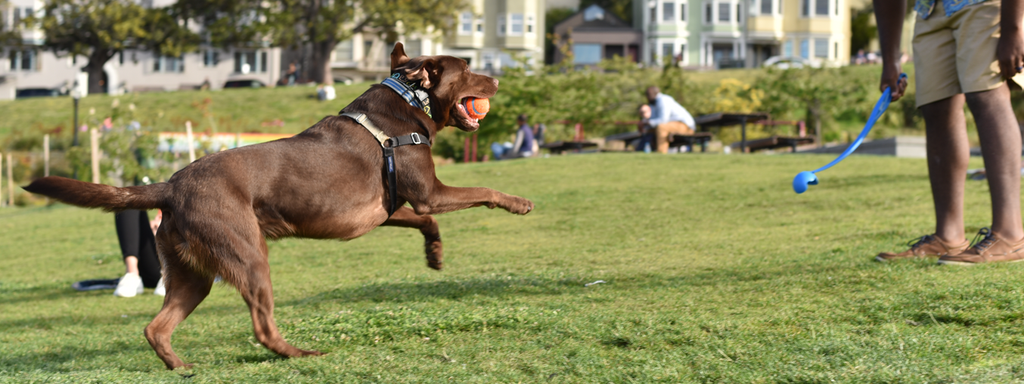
(422, 73)
(398, 57)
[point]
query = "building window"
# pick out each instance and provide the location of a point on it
(168, 64)
(787, 48)
(821, 48)
(666, 51)
(821, 7)
(249, 62)
(682, 53)
(835, 52)
(766, 7)
(723, 12)
(211, 58)
(805, 8)
(414, 48)
(343, 52)
(682, 11)
(707, 13)
(654, 13)
(586, 53)
(465, 23)
(805, 48)
(480, 25)
(501, 24)
(739, 13)
(529, 23)
(516, 25)
(668, 11)
(120, 57)
(837, 8)
(23, 60)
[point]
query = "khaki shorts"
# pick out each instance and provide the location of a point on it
(957, 54)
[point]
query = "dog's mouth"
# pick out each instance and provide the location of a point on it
(462, 119)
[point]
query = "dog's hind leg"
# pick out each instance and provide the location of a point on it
(252, 278)
(186, 288)
(406, 217)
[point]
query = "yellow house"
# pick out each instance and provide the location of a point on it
(743, 33)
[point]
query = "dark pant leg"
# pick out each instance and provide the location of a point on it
(137, 240)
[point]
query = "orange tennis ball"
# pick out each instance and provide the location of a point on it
(476, 108)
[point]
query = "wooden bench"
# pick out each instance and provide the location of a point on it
(702, 138)
(778, 142)
(561, 146)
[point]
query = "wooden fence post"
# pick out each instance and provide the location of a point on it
(2, 180)
(188, 138)
(94, 138)
(46, 155)
(10, 180)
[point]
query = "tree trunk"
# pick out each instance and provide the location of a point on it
(321, 61)
(95, 70)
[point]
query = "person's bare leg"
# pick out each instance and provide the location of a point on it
(1001, 150)
(131, 264)
(948, 151)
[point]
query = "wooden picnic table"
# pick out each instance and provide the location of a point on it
(701, 138)
(725, 119)
(779, 142)
(558, 147)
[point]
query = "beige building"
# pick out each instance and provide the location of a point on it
(32, 68)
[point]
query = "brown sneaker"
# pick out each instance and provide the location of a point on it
(988, 248)
(925, 246)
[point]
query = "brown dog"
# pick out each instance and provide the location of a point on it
(327, 182)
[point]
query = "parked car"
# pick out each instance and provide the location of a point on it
(790, 62)
(37, 92)
(248, 83)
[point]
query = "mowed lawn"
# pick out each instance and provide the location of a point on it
(713, 270)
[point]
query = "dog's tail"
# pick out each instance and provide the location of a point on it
(109, 198)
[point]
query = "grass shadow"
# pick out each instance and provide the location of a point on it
(399, 292)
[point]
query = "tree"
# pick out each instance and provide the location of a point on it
(321, 24)
(621, 8)
(99, 29)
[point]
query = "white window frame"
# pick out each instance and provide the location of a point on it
(512, 24)
(718, 12)
(818, 55)
(478, 25)
(168, 64)
(211, 58)
(465, 20)
(259, 64)
(18, 61)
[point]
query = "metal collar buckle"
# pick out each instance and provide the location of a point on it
(415, 138)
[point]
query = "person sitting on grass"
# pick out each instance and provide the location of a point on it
(664, 117)
(969, 51)
(525, 145)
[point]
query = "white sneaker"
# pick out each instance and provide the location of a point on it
(160, 290)
(129, 285)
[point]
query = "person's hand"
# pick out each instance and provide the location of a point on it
(1010, 52)
(891, 79)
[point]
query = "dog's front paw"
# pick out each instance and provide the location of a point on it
(519, 205)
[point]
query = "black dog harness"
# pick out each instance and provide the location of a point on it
(416, 97)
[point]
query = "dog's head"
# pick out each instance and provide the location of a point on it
(447, 80)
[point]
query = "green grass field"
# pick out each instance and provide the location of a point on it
(715, 271)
